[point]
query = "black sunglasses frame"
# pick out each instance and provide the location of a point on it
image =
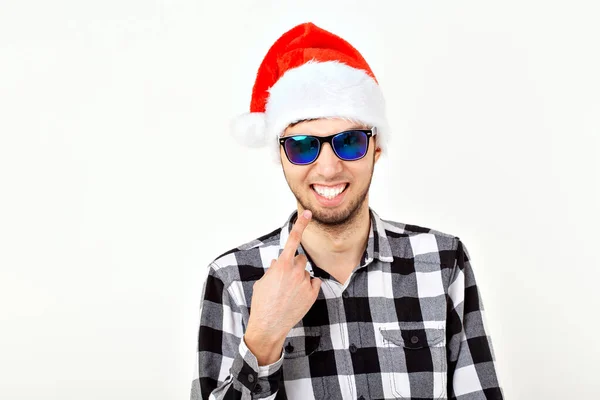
(329, 139)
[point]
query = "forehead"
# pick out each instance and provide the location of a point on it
(323, 126)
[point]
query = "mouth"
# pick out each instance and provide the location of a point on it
(329, 192)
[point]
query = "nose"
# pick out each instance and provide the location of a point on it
(328, 164)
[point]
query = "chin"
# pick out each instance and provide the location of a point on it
(339, 215)
(331, 217)
(332, 210)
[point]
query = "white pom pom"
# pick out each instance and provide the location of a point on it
(250, 129)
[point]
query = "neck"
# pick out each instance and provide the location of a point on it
(338, 249)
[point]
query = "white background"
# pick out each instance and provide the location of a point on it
(119, 182)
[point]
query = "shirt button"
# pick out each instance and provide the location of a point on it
(353, 348)
(345, 294)
(361, 398)
(250, 378)
(414, 340)
(289, 348)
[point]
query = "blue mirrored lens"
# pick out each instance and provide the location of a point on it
(302, 149)
(351, 145)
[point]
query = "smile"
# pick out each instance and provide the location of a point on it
(329, 192)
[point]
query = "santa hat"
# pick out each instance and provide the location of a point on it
(310, 73)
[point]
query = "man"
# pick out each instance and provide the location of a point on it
(338, 303)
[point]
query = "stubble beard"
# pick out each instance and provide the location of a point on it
(333, 217)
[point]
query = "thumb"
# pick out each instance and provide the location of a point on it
(268, 270)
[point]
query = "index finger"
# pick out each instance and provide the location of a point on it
(296, 235)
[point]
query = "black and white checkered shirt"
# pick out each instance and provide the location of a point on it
(407, 324)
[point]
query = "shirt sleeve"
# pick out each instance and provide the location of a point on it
(471, 360)
(225, 367)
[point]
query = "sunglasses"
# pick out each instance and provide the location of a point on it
(349, 145)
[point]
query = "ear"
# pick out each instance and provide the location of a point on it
(377, 153)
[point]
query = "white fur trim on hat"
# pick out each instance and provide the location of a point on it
(250, 129)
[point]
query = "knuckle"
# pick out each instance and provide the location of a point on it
(300, 266)
(298, 274)
(301, 258)
(295, 235)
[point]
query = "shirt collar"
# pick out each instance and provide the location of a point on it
(378, 245)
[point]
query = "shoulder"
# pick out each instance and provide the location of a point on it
(412, 230)
(426, 244)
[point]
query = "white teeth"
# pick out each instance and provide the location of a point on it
(328, 192)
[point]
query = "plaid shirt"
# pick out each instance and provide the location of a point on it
(407, 324)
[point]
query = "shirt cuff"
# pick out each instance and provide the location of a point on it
(258, 379)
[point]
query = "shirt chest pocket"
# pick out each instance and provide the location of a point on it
(414, 363)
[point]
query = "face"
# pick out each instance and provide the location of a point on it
(333, 189)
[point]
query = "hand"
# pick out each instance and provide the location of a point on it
(282, 296)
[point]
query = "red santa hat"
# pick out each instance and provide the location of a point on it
(310, 73)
